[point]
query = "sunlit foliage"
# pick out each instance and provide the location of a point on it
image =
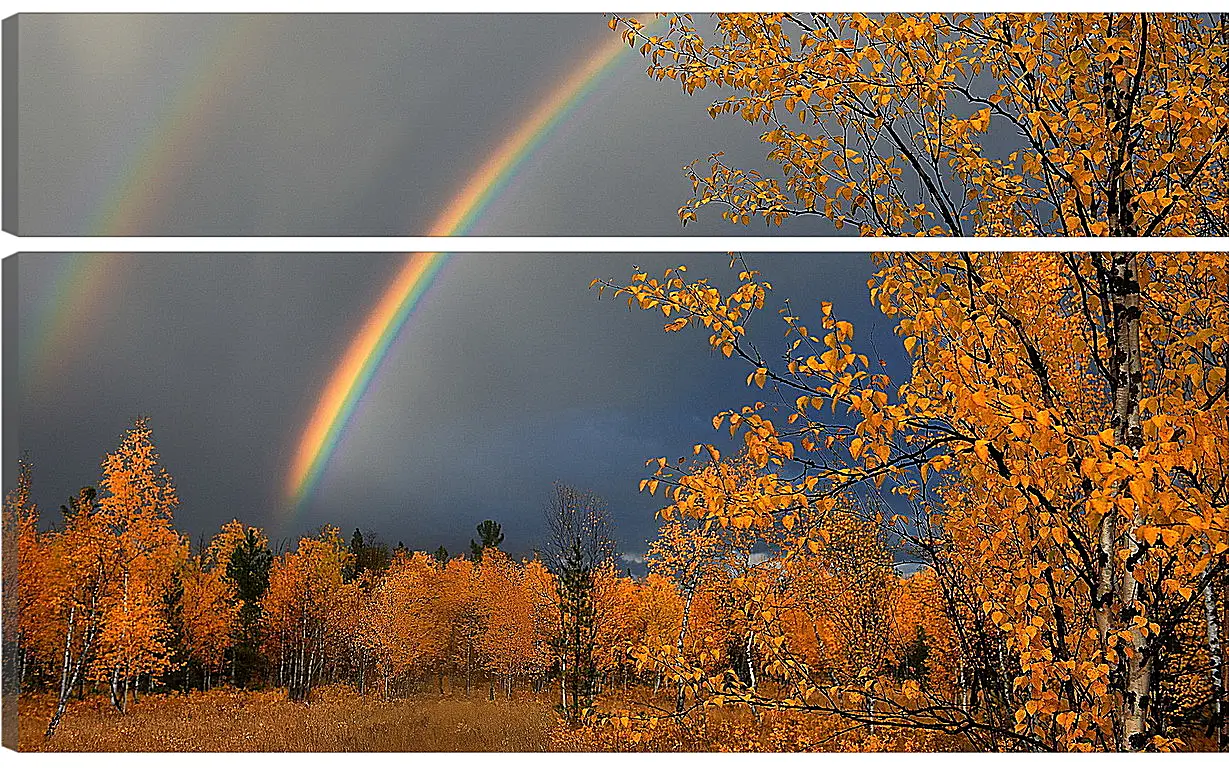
(963, 124)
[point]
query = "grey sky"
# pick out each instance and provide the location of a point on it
(202, 124)
(512, 374)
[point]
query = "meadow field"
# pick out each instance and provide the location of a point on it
(337, 720)
(340, 720)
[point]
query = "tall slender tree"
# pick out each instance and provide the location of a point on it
(580, 543)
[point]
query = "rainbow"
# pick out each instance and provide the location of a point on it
(80, 281)
(76, 289)
(353, 373)
(179, 130)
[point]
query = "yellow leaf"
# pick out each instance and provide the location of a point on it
(980, 448)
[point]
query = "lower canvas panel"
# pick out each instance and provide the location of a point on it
(460, 502)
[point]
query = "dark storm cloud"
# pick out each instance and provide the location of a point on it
(511, 374)
(345, 125)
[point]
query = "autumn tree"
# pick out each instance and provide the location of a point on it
(508, 645)
(542, 588)
(685, 553)
(619, 632)
(202, 609)
(134, 512)
(206, 617)
(306, 609)
(22, 558)
(467, 611)
(406, 626)
(75, 572)
(1060, 446)
(103, 579)
(34, 626)
(963, 124)
(923, 641)
(848, 591)
(713, 550)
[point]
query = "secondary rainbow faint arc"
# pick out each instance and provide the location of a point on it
(78, 286)
(353, 373)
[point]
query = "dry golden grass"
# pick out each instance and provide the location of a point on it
(737, 729)
(337, 720)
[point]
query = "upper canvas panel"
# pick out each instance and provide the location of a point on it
(524, 124)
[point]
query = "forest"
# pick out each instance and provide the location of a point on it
(1020, 547)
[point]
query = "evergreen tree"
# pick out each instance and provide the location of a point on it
(578, 638)
(580, 544)
(913, 664)
(490, 536)
(173, 600)
(357, 547)
(249, 568)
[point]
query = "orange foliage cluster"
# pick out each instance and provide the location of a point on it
(93, 594)
(1057, 459)
(494, 616)
(115, 599)
(1113, 123)
(740, 730)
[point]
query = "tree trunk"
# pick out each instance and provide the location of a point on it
(678, 703)
(1216, 657)
(114, 688)
(469, 658)
(66, 681)
(1128, 436)
(750, 660)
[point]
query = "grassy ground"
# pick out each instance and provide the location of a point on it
(338, 720)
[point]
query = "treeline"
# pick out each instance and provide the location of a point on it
(114, 601)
